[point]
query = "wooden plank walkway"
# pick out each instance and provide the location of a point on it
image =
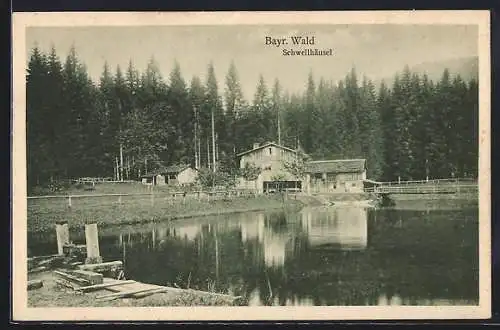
(133, 289)
(128, 286)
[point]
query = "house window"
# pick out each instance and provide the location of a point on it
(270, 151)
(352, 176)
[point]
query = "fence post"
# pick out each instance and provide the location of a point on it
(62, 234)
(120, 199)
(92, 244)
(69, 200)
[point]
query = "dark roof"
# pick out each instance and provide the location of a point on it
(336, 166)
(264, 145)
(173, 169)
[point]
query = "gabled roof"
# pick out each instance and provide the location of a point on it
(336, 166)
(176, 168)
(264, 145)
(173, 169)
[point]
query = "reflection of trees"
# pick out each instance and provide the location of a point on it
(410, 257)
(346, 228)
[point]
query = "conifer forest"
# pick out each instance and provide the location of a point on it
(410, 128)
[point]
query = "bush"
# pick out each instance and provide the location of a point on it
(209, 179)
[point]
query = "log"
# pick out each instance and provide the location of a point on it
(105, 266)
(37, 269)
(72, 278)
(104, 285)
(75, 250)
(150, 292)
(93, 277)
(35, 284)
(37, 258)
(77, 263)
(65, 283)
(49, 262)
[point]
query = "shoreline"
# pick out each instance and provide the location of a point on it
(113, 215)
(51, 295)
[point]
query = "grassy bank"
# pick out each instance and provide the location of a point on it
(52, 295)
(108, 188)
(106, 211)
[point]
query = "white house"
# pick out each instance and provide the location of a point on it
(269, 157)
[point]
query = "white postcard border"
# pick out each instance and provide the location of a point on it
(19, 220)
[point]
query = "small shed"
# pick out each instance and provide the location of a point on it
(153, 178)
(182, 174)
(175, 175)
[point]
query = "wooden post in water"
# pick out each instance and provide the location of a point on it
(92, 243)
(62, 234)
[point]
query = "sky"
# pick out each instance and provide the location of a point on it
(377, 51)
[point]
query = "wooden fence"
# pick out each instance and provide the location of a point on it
(454, 181)
(425, 189)
(120, 198)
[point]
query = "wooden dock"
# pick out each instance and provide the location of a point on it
(115, 289)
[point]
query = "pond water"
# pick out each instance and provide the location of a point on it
(317, 256)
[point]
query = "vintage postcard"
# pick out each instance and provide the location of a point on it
(251, 166)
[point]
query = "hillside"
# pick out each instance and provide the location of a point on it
(466, 67)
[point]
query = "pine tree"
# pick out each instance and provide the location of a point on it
(38, 145)
(442, 133)
(235, 106)
(311, 116)
(370, 128)
(386, 118)
(350, 100)
(213, 109)
(182, 118)
(262, 110)
(470, 110)
(276, 110)
(423, 128)
(196, 97)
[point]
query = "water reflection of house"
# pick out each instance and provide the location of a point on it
(254, 299)
(189, 232)
(274, 248)
(161, 233)
(252, 228)
(384, 300)
(296, 301)
(345, 227)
